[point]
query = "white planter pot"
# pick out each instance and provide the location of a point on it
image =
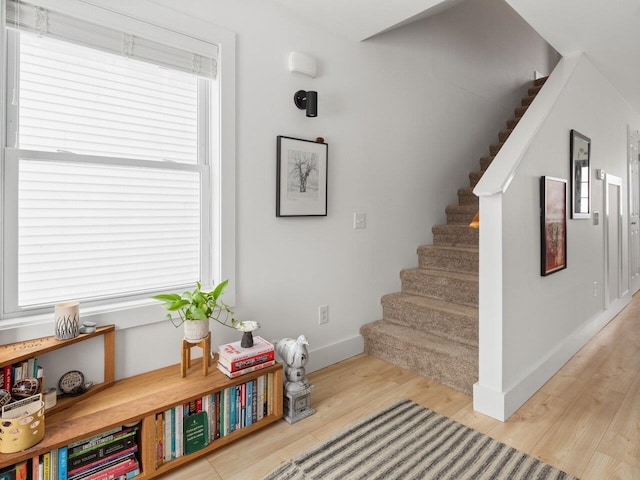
(195, 330)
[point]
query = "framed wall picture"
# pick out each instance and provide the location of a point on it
(553, 224)
(301, 178)
(580, 147)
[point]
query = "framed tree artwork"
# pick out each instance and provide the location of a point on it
(553, 224)
(301, 177)
(580, 152)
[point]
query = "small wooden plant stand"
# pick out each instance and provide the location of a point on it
(185, 358)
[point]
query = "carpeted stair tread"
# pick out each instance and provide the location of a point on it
(445, 319)
(448, 258)
(451, 363)
(520, 111)
(455, 287)
(495, 148)
(455, 235)
(474, 178)
(485, 162)
(527, 100)
(503, 135)
(460, 214)
(467, 197)
(534, 90)
(513, 122)
(540, 81)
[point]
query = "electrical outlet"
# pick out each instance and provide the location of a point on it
(323, 314)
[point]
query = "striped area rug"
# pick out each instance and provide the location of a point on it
(408, 441)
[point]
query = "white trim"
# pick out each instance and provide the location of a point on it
(326, 355)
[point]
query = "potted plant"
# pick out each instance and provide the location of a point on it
(197, 307)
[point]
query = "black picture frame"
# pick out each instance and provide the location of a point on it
(580, 157)
(301, 177)
(553, 225)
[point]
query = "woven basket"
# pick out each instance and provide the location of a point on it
(20, 433)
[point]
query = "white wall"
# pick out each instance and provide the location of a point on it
(545, 320)
(406, 115)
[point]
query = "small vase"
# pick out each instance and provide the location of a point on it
(247, 340)
(67, 318)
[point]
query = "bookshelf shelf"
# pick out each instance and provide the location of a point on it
(132, 399)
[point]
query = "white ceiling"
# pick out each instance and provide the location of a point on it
(607, 31)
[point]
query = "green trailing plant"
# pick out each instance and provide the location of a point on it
(199, 305)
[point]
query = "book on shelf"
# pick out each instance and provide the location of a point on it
(196, 432)
(100, 442)
(19, 471)
(63, 453)
(240, 364)
(112, 470)
(102, 452)
(244, 371)
(101, 463)
(234, 351)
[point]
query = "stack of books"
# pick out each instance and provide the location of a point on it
(234, 360)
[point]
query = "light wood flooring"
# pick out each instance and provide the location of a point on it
(585, 420)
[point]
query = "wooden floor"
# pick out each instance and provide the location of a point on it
(585, 420)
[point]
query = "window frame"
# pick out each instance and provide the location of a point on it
(161, 23)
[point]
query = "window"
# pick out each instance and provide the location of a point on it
(110, 143)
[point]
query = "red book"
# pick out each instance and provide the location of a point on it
(7, 378)
(107, 460)
(116, 471)
(235, 365)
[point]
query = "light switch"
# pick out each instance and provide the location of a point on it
(359, 220)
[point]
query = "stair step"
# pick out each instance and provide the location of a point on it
(495, 148)
(511, 124)
(474, 178)
(452, 259)
(467, 197)
(460, 214)
(503, 135)
(527, 101)
(451, 363)
(533, 91)
(520, 111)
(540, 81)
(459, 288)
(444, 319)
(455, 235)
(485, 162)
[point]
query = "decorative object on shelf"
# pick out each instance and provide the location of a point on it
(27, 387)
(50, 398)
(307, 100)
(301, 181)
(198, 307)
(580, 147)
(247, 337)
(553, 224)
(67, 318)
(88, 327)
(297, 390)
(185, 355)
(72, 383)
(22, 424)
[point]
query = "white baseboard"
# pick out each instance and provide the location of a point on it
(502, 404)
(336, 352)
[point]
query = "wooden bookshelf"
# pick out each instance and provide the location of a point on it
(136, 399)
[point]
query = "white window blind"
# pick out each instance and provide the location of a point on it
(198, 59)
(107, 174)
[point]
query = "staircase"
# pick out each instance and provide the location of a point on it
(431, 326)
